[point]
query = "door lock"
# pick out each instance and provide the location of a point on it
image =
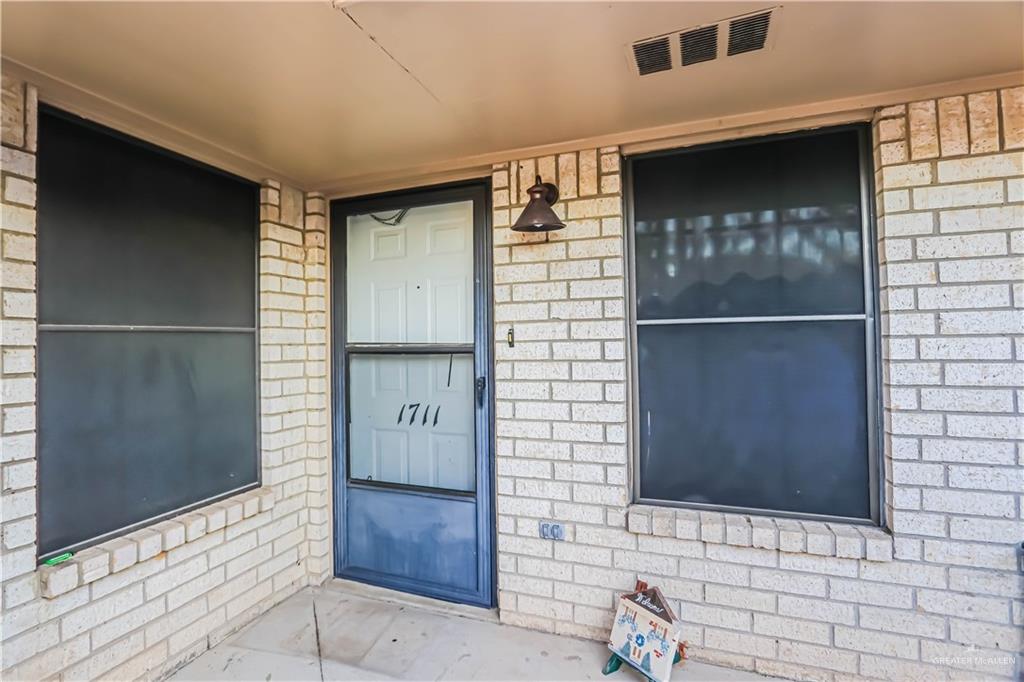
(481, 386)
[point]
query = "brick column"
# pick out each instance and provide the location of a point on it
(951, 186)
(318, 463)
(283, 370)
(560, 393)
(18, 324)
(293, 347)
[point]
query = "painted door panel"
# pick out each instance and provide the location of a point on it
(403, 536)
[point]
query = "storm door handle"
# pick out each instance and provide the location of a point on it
(481, 386)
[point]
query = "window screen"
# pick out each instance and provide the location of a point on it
(753, 332)
(147, 342)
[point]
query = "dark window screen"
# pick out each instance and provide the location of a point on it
(135, 236)
(762, 415)
(134, 425)
(147, 339)
(756, 229)
(752, 343)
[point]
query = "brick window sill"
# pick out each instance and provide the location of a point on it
(846, 541)
(116, 555)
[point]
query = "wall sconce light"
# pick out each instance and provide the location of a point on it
(538, 216)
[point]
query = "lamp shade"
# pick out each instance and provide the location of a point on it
(538, 216)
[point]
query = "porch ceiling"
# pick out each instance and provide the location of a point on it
(325, 96)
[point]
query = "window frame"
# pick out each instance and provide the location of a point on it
(872, 337)
(255, 331)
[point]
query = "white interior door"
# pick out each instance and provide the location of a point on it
(412, 282)
(411, 416)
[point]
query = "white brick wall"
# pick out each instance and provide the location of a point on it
(834, 601)
(139, 606)
(939, 598)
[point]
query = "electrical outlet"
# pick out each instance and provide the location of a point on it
(549, 530)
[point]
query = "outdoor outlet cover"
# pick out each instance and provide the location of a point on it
(549, 530)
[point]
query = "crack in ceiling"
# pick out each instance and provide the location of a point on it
(390, 56)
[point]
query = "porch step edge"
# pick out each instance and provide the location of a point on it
(396, 597)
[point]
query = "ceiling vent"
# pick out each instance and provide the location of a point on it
(699, 45)
(749, 33)
(725, 38)
(652, 56)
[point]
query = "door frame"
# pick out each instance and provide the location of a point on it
(483, 333)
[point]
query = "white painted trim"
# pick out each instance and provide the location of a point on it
(96, 108)
(92, 106)
(785, 119)
(805, 116)
(783, 125)
(387, 182)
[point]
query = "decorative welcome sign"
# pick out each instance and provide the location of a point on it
(646, 633)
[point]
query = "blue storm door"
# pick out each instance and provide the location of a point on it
(411, 372)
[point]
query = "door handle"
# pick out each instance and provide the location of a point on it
(481, 386)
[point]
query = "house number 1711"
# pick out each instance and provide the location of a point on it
(415, 408)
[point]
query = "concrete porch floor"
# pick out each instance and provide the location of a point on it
(370, 634)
